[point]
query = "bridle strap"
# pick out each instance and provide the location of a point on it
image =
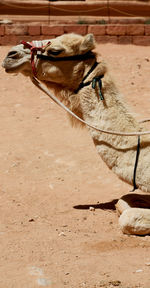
(34, 47)
(86, 56)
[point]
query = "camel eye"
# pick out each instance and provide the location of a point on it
(54, 52)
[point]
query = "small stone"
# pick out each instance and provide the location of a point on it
(91, 208)
(35, 271)
(43, 282)
(115, 283)
(51, 186)
(139, 270)
(147, 264)
(61, 234)
(31, 220)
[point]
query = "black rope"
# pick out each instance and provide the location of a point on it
(82, 84)
(135, 165)
(95, 80)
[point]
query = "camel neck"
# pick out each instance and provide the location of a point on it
(118, 152)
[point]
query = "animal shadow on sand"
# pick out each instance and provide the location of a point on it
(134, 200)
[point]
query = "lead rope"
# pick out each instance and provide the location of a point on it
(47, 92)
(54, 98)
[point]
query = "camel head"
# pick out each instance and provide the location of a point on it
(18, 59)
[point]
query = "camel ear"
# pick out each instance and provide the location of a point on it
(88, 43)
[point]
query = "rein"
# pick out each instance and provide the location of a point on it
(43, 88)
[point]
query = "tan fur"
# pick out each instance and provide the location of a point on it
(63, 78)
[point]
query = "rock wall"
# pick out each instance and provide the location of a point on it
(138, 34)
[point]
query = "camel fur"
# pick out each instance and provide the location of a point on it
(63, 78)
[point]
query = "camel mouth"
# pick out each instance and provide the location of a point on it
(11, 66)
(15, 59)
(10, 70)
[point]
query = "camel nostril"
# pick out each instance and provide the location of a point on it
(13, 54)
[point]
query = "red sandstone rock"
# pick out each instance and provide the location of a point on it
(116, 29)
(52, 30)
(16, 29)
(147, 29)
(34, 30)
(141, 40)
(79, 29)
(97, 29)
(9, 40)
(125, 39)
(2, 30)
(106, 39)
(135, 29)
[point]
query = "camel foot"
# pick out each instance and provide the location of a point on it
(135, 214)
(135, 221)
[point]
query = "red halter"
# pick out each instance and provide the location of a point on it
(34, 46)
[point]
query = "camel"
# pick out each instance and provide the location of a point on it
(68, 66)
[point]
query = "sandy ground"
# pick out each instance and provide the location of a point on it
(48, 170)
